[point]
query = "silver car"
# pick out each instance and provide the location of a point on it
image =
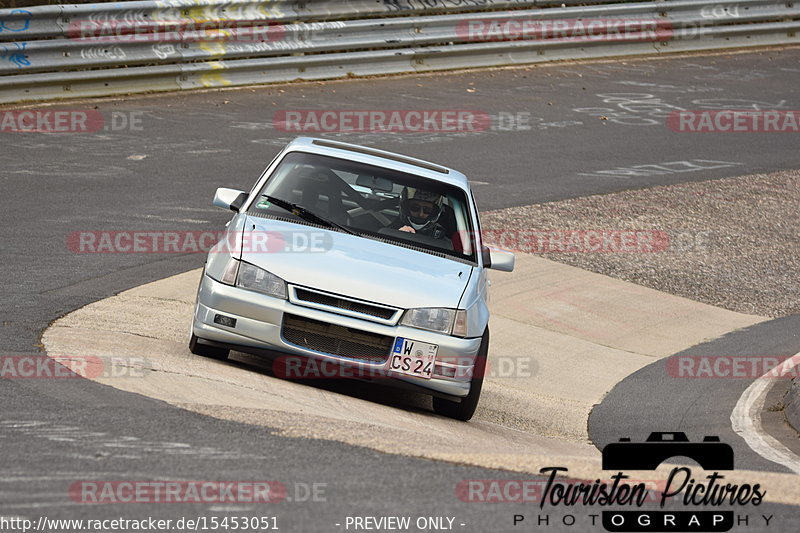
(358, 260)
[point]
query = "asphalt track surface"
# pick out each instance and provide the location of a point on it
(587, 129)
(695, 406)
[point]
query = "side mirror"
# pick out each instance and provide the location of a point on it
(229, 199)
(498, 259)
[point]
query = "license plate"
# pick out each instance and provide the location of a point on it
(413, 358)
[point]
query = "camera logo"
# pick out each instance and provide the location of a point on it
(706, 499)
(710, 454)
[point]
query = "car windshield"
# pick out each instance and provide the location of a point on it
(375, 202)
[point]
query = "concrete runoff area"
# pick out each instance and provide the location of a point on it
(582, 332)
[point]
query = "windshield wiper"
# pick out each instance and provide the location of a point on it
(305, 214)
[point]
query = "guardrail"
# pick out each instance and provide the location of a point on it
(63, 51)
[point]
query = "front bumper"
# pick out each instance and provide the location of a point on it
(259, 321)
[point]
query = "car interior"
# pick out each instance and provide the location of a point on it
(360, 201)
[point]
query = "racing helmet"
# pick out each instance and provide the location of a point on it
(411, 195)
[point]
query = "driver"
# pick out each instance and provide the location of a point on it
(419, 213)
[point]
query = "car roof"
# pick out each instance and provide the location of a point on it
(381, 158)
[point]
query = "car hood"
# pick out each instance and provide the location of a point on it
(358, 267)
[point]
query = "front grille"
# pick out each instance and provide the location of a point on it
(336, 340)
(344, 303)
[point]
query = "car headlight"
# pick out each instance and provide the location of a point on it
(435, 319)
(257, 279)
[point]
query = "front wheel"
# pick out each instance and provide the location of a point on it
(464, 409)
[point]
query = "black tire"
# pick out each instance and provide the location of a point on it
(206, 350)
(464, 409)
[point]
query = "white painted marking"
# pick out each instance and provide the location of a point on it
(8, 497)
(123, 446)
(59, 476)
(746, 420)
(201, 209)
(476, 182)
(661, 169)
(166, 219)
(136, 157)
(37, 505)
(230, 508)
